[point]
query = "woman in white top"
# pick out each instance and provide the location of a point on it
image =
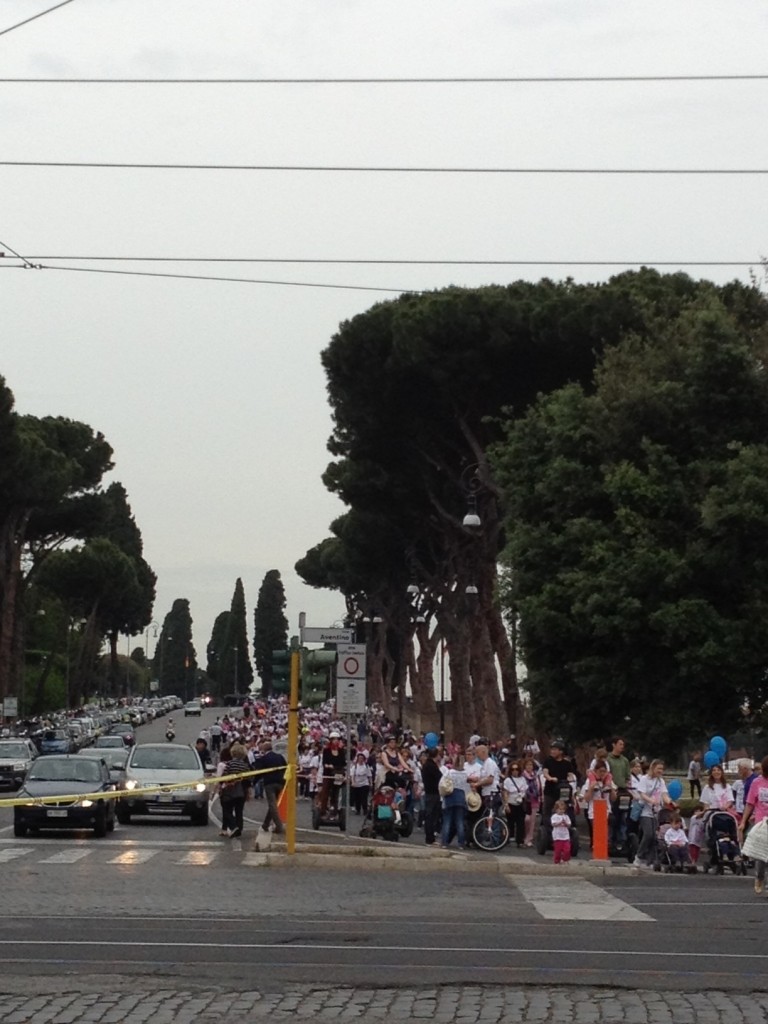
(717, 795)
(514, 791)
(651, 791)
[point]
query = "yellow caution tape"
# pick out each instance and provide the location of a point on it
(119, 794)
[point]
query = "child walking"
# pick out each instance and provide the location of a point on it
(561, 832)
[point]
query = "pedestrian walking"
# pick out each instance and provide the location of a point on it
(274, 780)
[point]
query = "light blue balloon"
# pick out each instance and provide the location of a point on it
(431, 740)
(711, 758)
(719, 745)
(675, 789)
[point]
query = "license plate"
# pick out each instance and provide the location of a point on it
(165, 798)
(57, 814)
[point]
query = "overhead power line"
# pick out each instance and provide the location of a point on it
(358, 169)
(210, 277)
(34, 17)
(336, 261)
(462, 80)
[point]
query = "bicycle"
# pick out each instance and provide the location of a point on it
(490, 832)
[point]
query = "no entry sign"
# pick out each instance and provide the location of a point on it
(351, 661)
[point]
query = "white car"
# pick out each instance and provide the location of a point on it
(193, 707)
(164, 764)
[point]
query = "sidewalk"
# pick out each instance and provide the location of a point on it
(114, 1000)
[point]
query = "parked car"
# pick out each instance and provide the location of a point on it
(163, 764)
(16, 757)
(67, 776)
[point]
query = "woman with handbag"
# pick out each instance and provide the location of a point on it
(514, 791)
(532, 798)
(756, 807)
(232, 794)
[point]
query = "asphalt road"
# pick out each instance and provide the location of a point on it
(171, 901)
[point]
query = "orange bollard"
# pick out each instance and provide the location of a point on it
(282, 804)
(600, 830)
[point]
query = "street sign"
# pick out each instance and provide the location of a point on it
(350, 696)
(326, 635)
(351, 661)
(11, 707)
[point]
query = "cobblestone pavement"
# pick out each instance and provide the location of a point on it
(75, 1003)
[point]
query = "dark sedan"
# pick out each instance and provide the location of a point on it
(79, 781)
(126, 731)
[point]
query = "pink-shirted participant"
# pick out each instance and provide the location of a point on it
(756, 808)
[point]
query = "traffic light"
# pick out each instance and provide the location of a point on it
(316, 667)
(281, 671)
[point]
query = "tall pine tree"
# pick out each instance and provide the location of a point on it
(270, 628)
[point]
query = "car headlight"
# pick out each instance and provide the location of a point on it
(131, 784)
(86, 803)
(200, 787)
(19, 767)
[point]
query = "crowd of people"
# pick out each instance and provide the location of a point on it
(447, 787)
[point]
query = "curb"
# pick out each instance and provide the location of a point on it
(364, 858)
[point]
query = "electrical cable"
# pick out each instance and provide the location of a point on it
(34, 17)
(358, 169)
(210, 277)
(464, 80)
(407, 262)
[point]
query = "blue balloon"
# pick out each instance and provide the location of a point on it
(431, 740)
(711, 758)
(675, 789)
(719, 745)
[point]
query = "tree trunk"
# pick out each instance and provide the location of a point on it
(461, 686)
(12, 575)
(485, 681)
(506, 652)
(422, 676)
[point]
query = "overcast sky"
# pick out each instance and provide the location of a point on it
(212, 393)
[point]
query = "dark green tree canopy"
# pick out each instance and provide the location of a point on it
(638, 533)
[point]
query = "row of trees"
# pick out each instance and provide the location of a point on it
(229, 669)
(438, 409)
(71, 561)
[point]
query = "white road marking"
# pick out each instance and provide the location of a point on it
(574, 899)
(13, 852)
(66, 857)
(134, 857)
(199, 858)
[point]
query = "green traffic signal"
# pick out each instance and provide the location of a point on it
(316, 669)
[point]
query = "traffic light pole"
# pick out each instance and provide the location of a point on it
(293, 753)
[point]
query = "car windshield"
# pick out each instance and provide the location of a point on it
(183, 759)
(55, 734)
(13, 750)
(109, 741)
(113, 757)
(61, 770)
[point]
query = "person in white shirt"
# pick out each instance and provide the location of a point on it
(360, 784)
(717, 794)
(651, 791)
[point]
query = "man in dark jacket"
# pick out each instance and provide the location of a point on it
(273, 783)
(430, 778)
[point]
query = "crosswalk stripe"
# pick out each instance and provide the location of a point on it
(134, 857)
(13, 853)
(199, 858)
(66, 857)
(574, 899)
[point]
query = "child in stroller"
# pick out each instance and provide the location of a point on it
(675, 855)
(722, 843)
(387, 817)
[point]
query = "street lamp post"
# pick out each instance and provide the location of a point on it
(237, 692)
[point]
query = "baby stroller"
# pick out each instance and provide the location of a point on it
(544, 830)
(387, 817)
(722, 844)
(663, 858)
